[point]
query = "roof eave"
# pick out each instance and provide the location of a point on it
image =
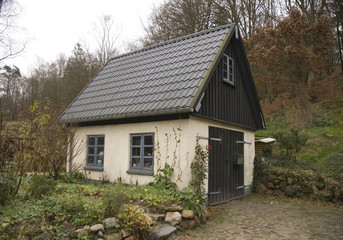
(131, 115)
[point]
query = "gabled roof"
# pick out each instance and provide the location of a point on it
(159, 80)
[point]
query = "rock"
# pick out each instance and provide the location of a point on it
(126, 233)
(187, 214)
(269, 192)
(157, 217)
(271, 178)
(307, 189)
(277, 193)
(290, 181)
(203, 219)
(283, 186)
(81, 233)
(43, 236)
(113, 236)
(173, 218)
(97, 228)
(326, 195)
(197, 220)
(192, 224)
(149, 219)
(261, 188)
(270, 185)
(162, 231)
(277, 186)
(320, 185)
(101, 234)
(110, 222)
(277, 181)
(87, 227)
(174, 208)
(290, 191)
(185, 224)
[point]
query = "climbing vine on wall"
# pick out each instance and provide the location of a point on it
(199, 168)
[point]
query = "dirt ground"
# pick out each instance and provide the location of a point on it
(258, 217)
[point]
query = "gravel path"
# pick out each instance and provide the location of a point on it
(257, 217)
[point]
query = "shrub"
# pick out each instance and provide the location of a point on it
(290, 142)
(81, 210)
(7, 187)
(133, 219)
(74, 177)
(40, 185)
(163, 178)
(192, 201)
(113, 199)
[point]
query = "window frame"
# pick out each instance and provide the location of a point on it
(229, 69)
(95, 166)
(141, 169)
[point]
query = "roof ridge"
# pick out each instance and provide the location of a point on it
(174, 40)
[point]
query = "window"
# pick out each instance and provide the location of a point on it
(228, 69)
(95, 152)
(142, 154)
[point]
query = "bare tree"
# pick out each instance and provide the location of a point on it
(9, 47)
(106, 36)
(176, 18)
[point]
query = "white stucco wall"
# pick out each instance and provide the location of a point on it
(174, 143)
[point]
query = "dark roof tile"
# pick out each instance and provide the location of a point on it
(160, 79)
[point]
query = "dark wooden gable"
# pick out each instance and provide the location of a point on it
(237, 104)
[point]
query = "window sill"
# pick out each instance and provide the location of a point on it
(94, 168)
(232, 83)
(140, 172)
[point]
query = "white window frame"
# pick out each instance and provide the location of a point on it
(228, 69)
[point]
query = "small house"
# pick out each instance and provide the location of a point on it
(149, 107)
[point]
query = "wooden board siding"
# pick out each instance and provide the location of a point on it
(225, 102)
(225, 179)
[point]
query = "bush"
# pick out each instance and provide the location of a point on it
(290, 142)
(74, 177)
(133, 219)
(40, 185)
(192, 201)
(7, 188)
(80, 210)
(113, 199)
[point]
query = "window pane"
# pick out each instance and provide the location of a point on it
(101, 140)
(100, 160)
(90, 160)
(136, 162)
(136, 140)
(148, 162)
(148, 140)
(100, 151)
(90, 150)
(225, 74)
(91, 140)
(148, 151)
(136, 151)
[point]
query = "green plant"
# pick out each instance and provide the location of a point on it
(163, 178)
(40, 185)
(290, 142)
(133, 219)
(192, 201)
(199, 168)
(74, 177)
(113, 198)
(7, 187)
(81, 210)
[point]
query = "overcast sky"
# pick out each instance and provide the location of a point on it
(52, 27)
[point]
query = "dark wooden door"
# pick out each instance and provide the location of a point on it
(226, 169)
